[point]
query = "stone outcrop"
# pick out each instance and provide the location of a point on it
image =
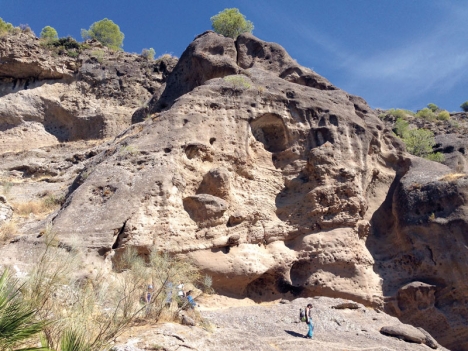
(265, 175)
(424, 216)
(55, 98)
(267, 180)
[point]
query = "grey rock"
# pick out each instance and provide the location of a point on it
(404, 332)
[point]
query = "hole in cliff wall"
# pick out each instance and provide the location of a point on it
(300, 272)
(268, 285)
(334, 120)
(67, 127)
(216, 50)
(320, 136)
(448, 149)
(121, 235)
(270, 130)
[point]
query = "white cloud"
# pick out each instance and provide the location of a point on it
(434, 61)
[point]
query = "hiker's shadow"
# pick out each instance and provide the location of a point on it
(293, 333)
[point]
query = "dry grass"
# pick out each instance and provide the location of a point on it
(24, 209)
(8, 231)
(48, 203)
(452, 177)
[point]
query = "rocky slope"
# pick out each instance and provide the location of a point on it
(48, 96)
(268, 177)
(276, 327)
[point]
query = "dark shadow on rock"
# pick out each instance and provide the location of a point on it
(293, 333)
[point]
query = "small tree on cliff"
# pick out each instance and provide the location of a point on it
(231, 23)
(464, 106)
(5, 27)
(419, 142)
(49, 33)
(105, 31)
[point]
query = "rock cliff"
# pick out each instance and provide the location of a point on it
(268, 177)
(86, 92)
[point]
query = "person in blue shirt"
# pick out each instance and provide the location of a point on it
(190, 300)
(308, 315)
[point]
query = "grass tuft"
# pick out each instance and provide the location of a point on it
(8, 231)
(452, 177)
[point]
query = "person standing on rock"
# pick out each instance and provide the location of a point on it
(308, 314)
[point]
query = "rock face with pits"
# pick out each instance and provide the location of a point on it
(55, 98)
(266, 179)
(277, 184)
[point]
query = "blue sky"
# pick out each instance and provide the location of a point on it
(393, 53)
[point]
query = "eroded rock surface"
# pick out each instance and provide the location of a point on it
(267, 180)
(425, 217)
(265, 175)
(55, 98)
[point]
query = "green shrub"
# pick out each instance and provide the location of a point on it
(432, 107)
(419, 142)
(443, 115)
(5, 27)
(106, 32)
(401, 128)
(148, 53)
(73, 54)
(398, 113)
(67, 43)
(464, 106)
(231, 23)
(17, 317)
(64, 46)
(238, 81)
(454, 124)
(436, 156)
(49, 33)
(426, 113)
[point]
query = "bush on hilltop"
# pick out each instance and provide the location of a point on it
(464, 106)
(49, 33)
(432, 107)
(231, 23)
(106, 32)
(148, 53)
(5, 27)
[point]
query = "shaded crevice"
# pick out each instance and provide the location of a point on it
(120, 236)
(271, 131)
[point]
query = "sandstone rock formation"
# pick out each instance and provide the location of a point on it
(424, 216)
(269, 178)
(52, 99)
(266, 179)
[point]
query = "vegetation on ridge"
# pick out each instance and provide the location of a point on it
(106, 32)
(464, 106)
(49, 33)
(231, 23)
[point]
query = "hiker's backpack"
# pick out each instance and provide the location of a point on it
(302, 316)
